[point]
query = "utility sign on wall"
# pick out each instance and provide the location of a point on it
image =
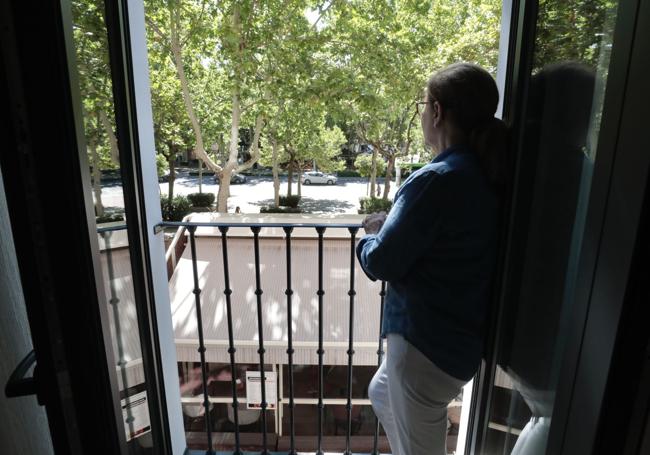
(254, 389)
(135, 412)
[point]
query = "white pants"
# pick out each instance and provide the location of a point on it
(534, 437)
(409, 395)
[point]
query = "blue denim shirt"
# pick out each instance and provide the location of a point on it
(437, 251)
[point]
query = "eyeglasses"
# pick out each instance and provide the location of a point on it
(419, 109)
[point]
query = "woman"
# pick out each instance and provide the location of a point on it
(437, 251)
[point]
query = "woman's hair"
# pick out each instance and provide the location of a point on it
(469, 97)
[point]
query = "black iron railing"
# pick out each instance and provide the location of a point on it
(106, 234)
(288, 229)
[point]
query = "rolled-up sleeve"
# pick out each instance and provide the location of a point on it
(410, 228)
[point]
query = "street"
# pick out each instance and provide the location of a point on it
(258, 191)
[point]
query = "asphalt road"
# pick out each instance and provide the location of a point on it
(258, 191)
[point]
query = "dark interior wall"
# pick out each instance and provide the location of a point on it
(24, 428)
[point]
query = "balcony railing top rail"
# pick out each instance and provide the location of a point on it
(260, 224)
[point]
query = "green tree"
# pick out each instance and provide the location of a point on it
(326, 149)
(292, 70)
(91, 46)
(369, 166)
(231, 57)
(189, 35)
(172, 129)
(572, 30)
(388, 50)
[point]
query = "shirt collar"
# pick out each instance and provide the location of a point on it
(448, 151)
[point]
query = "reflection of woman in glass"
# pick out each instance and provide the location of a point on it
(557, 123)
(437, 249)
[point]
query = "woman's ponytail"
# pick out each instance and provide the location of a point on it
(489, 140)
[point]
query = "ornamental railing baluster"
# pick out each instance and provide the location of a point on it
(289, 294)
(231, 343)
(260, 331)
(204, 374)
(351, 293)
(320, 230)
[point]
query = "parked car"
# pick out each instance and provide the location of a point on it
(235, 179)
(318, 177)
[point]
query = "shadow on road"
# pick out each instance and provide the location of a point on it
(191, 182)
(310, 205)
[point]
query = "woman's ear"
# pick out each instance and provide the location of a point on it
(436, 114)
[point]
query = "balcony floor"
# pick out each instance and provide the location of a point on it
(251, 442)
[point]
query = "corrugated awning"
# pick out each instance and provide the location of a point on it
(304, 262)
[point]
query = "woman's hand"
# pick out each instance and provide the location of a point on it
(373, 222)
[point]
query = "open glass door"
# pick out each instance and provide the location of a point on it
(76, 206)
(115, 176)
(569, 67)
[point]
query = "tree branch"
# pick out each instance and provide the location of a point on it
(254, 148)
(407, 146)
(190, 29)
(156, 29)
(322, 11)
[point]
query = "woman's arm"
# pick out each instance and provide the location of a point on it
(409, 230)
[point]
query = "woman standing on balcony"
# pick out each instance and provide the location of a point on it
(437, 251)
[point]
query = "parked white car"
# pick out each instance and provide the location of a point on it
(318, 177)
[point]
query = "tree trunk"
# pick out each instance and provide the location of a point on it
(398, 176)
(276, 177)
(172, 176)
(389, 174)
(224, 173)
(373, 172)
(289, 177)
(231, 165)
(254, 149)
(112, 140)
(97, 176)
(177, 57)
(299, 179)
(214, 148)
(224, 190)
(200, 176)
(222, 154)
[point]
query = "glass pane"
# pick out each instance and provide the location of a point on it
(571, 57)
(95, 84)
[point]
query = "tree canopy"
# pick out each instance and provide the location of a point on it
(306, 75)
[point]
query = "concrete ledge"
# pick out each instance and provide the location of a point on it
(271, 218)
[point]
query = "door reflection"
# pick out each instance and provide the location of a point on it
(559, 142)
